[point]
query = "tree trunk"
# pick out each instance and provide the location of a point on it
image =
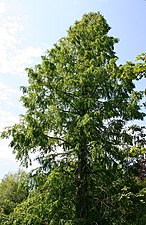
(82, 184)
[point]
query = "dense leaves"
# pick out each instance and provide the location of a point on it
(14, 189)
(78, 105)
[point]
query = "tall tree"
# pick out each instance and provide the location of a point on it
(78, 102)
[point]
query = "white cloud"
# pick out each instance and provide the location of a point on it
(23, 58)
(14, 54)
(2, 7)
(7, 119)
(7, 94)
(5, 151)
(8, 107)
(8, 42)
(7, 159)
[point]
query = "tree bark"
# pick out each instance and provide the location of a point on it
(82, 183)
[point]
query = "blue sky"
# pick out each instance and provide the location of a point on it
(29, 27)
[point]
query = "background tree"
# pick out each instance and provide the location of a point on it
(13, 190)
(78, 104)
(49, 203)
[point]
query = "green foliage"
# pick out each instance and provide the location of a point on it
(78, 105)
(51, 203)
(13, 190)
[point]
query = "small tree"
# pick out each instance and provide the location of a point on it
(78, 102)
(13, 190)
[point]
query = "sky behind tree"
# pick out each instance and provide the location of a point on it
(29, 27)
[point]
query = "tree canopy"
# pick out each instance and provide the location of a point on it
(13, 190)
(79, 103)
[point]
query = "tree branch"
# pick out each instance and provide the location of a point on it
(59, 139)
